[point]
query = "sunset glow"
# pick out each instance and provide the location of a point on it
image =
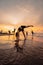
(16, 13)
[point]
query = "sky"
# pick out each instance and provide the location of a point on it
(17, 12)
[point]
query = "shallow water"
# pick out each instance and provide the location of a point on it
(29, 51)
(7, 42)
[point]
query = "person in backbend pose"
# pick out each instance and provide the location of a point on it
(21, 29)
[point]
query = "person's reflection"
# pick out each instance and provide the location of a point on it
(19, 49)
(17, 42)
(17, 45)
(32, 37)
(8, 37)
(24, 43)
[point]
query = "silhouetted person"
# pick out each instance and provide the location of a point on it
(1, 31)
(32, 33)
(21, 29)
(9, 32)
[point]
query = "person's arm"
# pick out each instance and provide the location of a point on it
(30, 26)
(26, 26)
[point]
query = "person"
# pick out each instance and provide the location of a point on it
(9, 32)
(32, 33)
(21, 29)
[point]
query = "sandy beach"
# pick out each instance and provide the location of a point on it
(29, 52)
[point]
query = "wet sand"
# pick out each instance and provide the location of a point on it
(29, 52)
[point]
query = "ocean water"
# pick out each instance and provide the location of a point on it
(7, 42)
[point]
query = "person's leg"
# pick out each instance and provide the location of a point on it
(24, 34)
(17, 35)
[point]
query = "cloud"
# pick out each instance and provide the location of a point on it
(29, 11)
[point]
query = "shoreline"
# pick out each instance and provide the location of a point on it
(4, 34)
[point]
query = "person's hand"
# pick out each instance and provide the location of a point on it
(30, 26)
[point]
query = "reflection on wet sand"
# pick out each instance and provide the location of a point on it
(27, 51)
(19, 49)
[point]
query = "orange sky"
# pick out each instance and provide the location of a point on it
(5, 28)
(14, 13)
